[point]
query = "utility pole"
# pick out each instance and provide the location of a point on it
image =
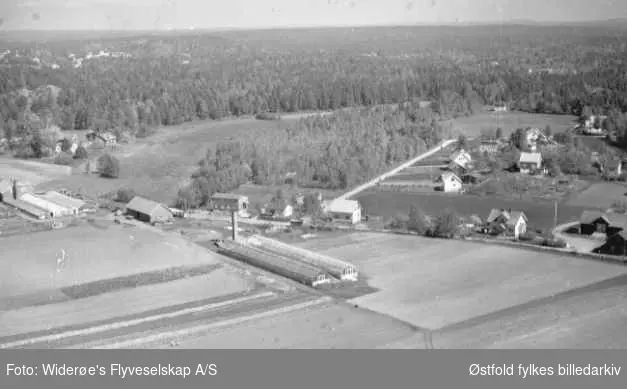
(555, 214)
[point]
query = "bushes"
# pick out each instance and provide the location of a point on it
(528, 236)
(109, 166)
(63, 159)
(554, 242)
(124, 195)
(81, 153)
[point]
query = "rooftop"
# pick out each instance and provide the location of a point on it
(535, 158)
(343, 206)
(143, 205)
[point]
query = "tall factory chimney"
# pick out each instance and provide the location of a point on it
(234, 224)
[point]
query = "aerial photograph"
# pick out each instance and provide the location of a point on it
(313, 174)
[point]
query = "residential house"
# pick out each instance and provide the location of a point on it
(460, 159)
(535, 137)
(451, 182)
(595, 222)
(347, 211)
(229, 202)
(285, 211)
(512, 222)
(490, 146)
(530, 162)
(147, 210)
(594, 125)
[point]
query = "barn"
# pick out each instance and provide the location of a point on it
(73, 205)
(53, 209)
(147, 210)
(297, 271)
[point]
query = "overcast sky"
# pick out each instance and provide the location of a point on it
(157, 14)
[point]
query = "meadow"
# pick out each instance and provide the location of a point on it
(600, 195)
(157, 166)
(94, 253)
(473, 126)
(434, 283)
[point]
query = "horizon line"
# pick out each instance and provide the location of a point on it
(518, 22)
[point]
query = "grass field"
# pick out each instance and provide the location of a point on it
(221, 282)
(31, 172)
(332, 325)
(391, 204)
(600, 195)
(157, 166)
(472, 126)
(94, 253)
(433, 283)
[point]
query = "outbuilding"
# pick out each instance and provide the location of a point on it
(147, 210)
(594, 222)
(346, 211)
(72, 204)
(54, 210)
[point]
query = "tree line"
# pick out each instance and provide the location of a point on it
(458, 71)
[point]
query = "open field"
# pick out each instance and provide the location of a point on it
(157, 166)
(471, 126)
(332, 325)
(31, 172)
(434, 283)
(94, 253)
(600, 195)
(390, 204)
(220, 282)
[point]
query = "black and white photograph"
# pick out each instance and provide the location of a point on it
(313, 174)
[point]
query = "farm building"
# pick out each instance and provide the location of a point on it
(348, 211)
(27, 208)
(6, 190)
(72, 204)
(615, 244)
(513, 222)
(530, 162)
(460, 159)
(53, 209)
(295, 270)
(229, 202)
(451, 182)
(147, 210)
(335, 267)
(592, 222)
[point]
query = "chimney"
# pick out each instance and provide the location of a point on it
(234, 225)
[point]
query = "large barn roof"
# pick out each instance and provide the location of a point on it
(142, 205)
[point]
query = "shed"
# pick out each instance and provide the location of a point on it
(344, 211)
(147, 210)
(298, 271)
(70, 203)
